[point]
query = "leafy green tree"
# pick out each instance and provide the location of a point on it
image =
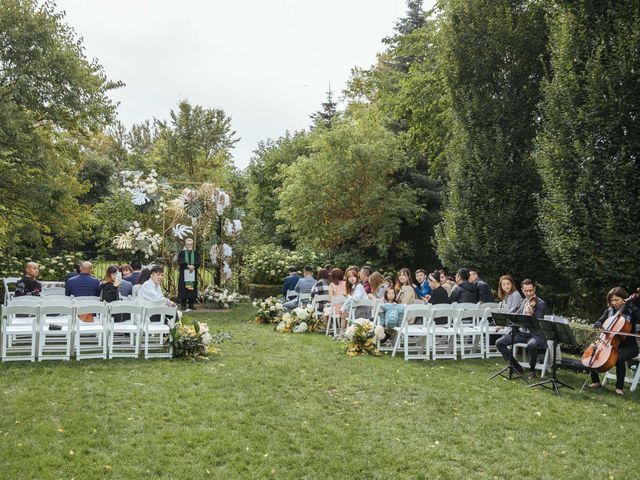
(265, 176)
(51, 100)
(344, 195)
(140, 141)
(97, 170)
(195, 144)
(587, 150)
(494, 60)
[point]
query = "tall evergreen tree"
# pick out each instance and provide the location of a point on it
(588, 147)
(494, 61)
(326, 116)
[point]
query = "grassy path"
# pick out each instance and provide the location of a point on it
(283, 406)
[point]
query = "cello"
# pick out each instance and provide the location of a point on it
(602, 355)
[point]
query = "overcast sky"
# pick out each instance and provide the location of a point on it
(266, 63)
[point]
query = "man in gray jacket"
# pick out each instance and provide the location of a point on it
(304, 285)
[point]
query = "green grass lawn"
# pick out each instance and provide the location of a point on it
(293, 406)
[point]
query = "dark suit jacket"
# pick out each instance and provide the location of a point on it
(539, 312)
(82, 285)
(290, 283)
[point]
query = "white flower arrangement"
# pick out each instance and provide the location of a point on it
(299, 320)
(143, 191)
(135, 240)
(361, 336)
(217, 298)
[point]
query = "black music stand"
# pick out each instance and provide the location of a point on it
(507, 320)
(558, 331)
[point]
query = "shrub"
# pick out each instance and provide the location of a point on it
(267, 264)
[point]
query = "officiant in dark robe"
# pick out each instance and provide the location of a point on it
(189, 262)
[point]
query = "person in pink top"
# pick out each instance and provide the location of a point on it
(337, 287)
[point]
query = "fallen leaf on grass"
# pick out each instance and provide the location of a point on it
(61, 430)
(107, 467)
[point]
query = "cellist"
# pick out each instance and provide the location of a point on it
(629, 347)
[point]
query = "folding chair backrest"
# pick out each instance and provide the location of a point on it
(319, 300)
(26, 300)
(126, 307)
(414, 311)
(8, 291)
(47, 310)
(98, 310)
(26, 312)
(464, 305)
(441, 306)
(489, 305)
(162, 311)
(86, 298)
(58, 301)
(47, 292)
(446, 317)
(366, 307)
(472, 315)
(337, 299)
(46, 298)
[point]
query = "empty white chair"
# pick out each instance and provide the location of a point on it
(19, 338)
(334, 315)
(124, 336)
(471, 332)
(444, 332)
(419, 333)
(54, 332)
(156, 331)
(90, 336)
(47, 292)
(9, 282)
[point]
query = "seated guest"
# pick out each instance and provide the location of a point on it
(84, 284)
(405, 290)
(337, 288)
(145, 275)
(304, 285)
(390, 312)
(508, 292)
(447, 282)
(151, 290)
(126, 287)
(321, 287)
(109, 285)
(136, 268)
(72, 274)
(628, 349)
(378, 286)
(290, 281)
(531, 305)
(438, 293)
(422, 288)
(28, 285)
(464, 291)
(484, 291)
(355, 292)
(365, 273)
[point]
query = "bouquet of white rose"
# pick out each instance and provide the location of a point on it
(360, 337)
(299, 320)
(269, 310)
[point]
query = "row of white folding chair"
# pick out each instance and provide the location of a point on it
(444, 329)
(19, 323)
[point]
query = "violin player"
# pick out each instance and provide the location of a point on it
(531, 304)
(628, 349)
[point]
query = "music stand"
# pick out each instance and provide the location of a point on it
(507, 320)
(557, 330)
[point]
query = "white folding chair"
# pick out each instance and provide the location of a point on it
(611, 374)
(490, 329)
(303, 299)
(419, 333)
(47, 292)
(520, 354)
(464, 305)
(319, 302)
(26, 300)
(8, 291)
(291, 294)
(334, 316)
(91, 336)
(19, 338)
(156, 331)
(364, 308)
(124, 336)
(444, 332)
(471, 332)
(55, 344)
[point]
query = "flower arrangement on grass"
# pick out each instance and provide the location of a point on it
(217, 297)
(360, 337)
(194, 341)
(299, 320)
(269, 310)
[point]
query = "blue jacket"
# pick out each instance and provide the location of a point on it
(423, 290)
(82, 285)
(290, 283)
(133, 278)
(125, 289)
